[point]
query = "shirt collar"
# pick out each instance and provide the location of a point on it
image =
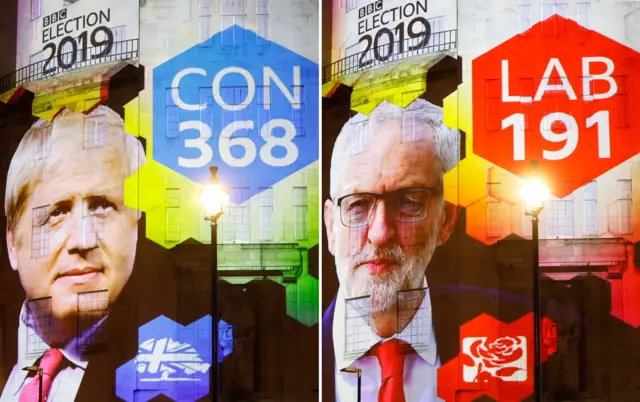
(426, 350)
(71, 351)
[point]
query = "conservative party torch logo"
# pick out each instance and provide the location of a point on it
(173, 360)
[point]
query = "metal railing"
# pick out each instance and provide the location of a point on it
(47, 68)
(390, 52)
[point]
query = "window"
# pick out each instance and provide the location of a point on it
(524, 12)
(40, 232)
(560, 218)
(237, 221)
(300, 213)
(494, 227)
(233, 12)
(68, 57)
(356, 326)
(93, 307)
(352, 4)
(119, 38)
(589, 209)
(43, 142)
(206, 98)
(264, 104)
(204, 17)
(92, 225)
(359, 136)
(411, 130)
(437, 40)
(418, 337)
(352, 50)
(173, 116)
(584, 13)
(262, 21)
(172, 214)
(235, 96)
(34, 71)
(266, 214)
(36, 8)
(94, 131)
(551, 7)
(493, 101)
(625, 207)
(38, 314)
(351, 55)
(297, 110)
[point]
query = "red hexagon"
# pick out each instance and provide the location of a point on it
(559, 94)
(496, 359)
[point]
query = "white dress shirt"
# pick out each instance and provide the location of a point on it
(66, 383)
(420, 368)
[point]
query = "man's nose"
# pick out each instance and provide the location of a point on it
(82, 233)
(381, 228)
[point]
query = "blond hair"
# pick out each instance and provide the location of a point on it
(26, 167)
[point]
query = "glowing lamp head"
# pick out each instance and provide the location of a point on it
(353, 370)
(213, 197)
(533, 192)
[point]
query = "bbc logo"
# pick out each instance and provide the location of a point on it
(55, 17)
(370, 8)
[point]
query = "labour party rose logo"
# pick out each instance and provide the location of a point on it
(504, 358)
(496, 359)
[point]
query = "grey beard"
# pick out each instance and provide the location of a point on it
(383, 288)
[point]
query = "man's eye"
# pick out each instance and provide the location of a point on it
(101, 205)
(59, 211)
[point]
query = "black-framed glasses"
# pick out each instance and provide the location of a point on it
(403, 205)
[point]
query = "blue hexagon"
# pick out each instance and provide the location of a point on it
(173, 360)
(239, 102)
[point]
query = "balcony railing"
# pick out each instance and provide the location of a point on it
(81, 58)
(244, 259)
(390, 52)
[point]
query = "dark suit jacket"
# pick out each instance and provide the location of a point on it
(453, 306)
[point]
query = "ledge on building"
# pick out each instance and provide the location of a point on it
(70, 61)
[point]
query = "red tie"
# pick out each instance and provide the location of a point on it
(50, 364)
(391, 358)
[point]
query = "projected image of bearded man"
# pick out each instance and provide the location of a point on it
(384, 220)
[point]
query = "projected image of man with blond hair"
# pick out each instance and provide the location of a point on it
(70, 237)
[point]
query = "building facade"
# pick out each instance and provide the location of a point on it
(521, 82)
(194, 84)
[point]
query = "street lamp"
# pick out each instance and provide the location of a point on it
(357, 371)
(34, 369)
(533, 192)
(212, 198)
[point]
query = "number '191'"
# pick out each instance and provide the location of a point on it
(570, 137)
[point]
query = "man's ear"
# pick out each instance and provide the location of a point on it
(328, 224)
(448, 222)
(11, 248)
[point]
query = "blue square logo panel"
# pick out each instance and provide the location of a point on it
(173, 360)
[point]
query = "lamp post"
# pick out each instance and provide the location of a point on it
(533, 192)
(33, 369)
(212, 198)
(359, 372)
